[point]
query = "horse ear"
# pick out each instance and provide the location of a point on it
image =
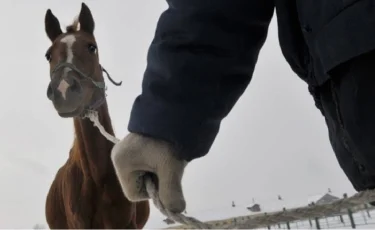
(52, 26)
(86, 20)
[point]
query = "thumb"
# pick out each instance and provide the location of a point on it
(170, 188)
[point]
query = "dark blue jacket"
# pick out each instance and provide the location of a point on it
(204, 53)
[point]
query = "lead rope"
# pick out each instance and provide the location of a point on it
(150, 186)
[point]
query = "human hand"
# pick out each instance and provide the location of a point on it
(135, 155)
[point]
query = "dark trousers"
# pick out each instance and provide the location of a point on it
(347, 102)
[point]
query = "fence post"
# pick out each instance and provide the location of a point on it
(327, 222)
(368, 212)
(269, 227)
(316, 219)
(287, 223)
(341, 219)
(350, 213)
(317, 223)
(364, 216)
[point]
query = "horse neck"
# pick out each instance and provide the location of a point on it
(90, 147)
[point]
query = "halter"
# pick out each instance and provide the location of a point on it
(98, 84)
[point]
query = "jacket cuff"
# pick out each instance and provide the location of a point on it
(191, 134)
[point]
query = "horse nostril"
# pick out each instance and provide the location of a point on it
(75, 86)
(50, 92)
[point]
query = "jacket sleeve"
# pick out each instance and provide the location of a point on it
(199, 63)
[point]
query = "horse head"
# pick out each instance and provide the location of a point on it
(76, 76)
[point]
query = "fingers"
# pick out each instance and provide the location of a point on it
(130, 177)
(170, 189)
(134, 187)
(132, 183)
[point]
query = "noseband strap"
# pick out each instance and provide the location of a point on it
(98, 84)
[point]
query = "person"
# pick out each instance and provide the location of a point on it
(202, 59)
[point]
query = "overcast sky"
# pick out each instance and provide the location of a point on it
(274, 141)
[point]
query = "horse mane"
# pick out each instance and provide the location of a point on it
(74, 27)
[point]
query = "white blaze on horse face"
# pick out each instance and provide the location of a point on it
(69, 40)
(63, 86)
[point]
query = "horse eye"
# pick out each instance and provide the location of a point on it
(48, 57)
(92, 48)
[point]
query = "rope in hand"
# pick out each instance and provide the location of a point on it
(250, 221)
(150, 186)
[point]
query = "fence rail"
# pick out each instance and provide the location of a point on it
(361, 218)
(352, 212)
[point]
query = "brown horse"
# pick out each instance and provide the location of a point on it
(85, 192)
